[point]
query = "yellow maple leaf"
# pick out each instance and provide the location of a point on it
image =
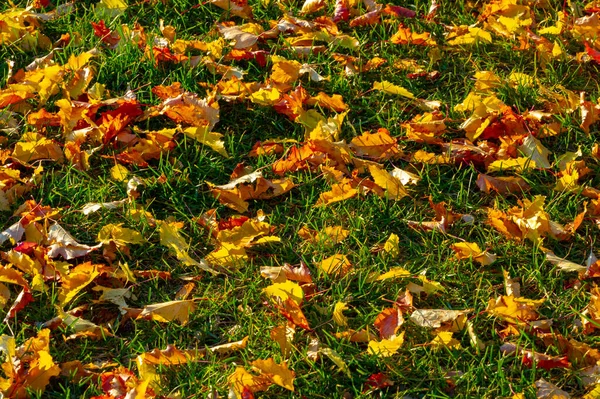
(171, 238)
(266, 97)
(514, 310)
(394, 272)
(241, 380)
(285, 72)
(444, 339)
(337, 265)
(466, 250)
(386, 347)
(119, 173)
(338, 316)
(35, 146)
(394, 189)
(278, 373)
(339, 192)
(391, 246)
(517, 164)
(111, 8)
(390, 88)
(119, 235)
(285, 290)
(205, 136)
(169, 311)
(284, 336)
(75, 281)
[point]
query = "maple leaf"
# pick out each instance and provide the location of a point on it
(78, 278)
(390, 88)
(378, 146)
(236, 7)
(27, 367)
(466, 250)
(284, 336)
(393, 273)
(406, 36)
(171, 238)
(285, 291)
(111, 8)
(502, 185)
(388, 322)
(514, 310)
(336, 265)
(338, 316)
(394, 189)
(467, 35)
(444, 339)
(169, 311)
(378, 381)
(339, 192)
(386, 347)
(245, 384)
(278, 373)
(341, 11)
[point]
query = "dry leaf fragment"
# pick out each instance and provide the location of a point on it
(435, 318)
(565, 264)
(363, 336)
(205, 136)
(534, 149)
(391, 246)
(311, 6)
(546, 390)
(242, 38)
(502, 185)
(92, 207)
(63, 244)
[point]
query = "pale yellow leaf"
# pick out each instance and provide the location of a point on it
(390, 88)
(338, 316)
(119, 173)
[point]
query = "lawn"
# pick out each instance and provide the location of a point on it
(319, 199)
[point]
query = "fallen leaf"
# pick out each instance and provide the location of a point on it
(169, 311)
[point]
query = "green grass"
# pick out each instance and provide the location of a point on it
(233, 304)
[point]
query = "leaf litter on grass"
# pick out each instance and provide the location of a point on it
(59, 115)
